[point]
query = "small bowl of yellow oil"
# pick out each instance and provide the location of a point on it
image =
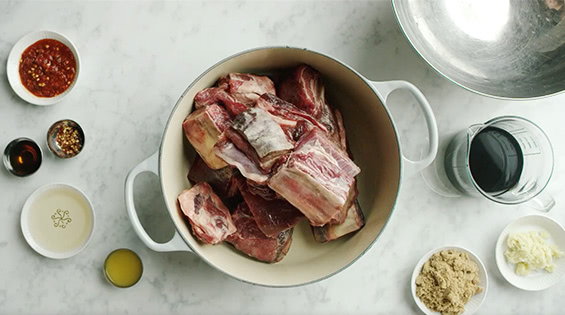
(123, 268)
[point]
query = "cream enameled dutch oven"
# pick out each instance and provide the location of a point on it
(373, 140)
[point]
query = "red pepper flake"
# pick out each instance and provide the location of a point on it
(47, 68)
(69, 141)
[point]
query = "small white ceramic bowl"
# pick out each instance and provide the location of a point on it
(474, 303)
(57, 221)
(13, 67)
(536, 280)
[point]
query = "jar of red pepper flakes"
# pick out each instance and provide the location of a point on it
(65, 138)
(43, 67)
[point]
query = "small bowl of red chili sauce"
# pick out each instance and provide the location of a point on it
(43, 67)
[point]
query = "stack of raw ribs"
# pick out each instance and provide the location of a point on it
(268, 158)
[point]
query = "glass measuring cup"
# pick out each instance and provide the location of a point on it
(508, 160)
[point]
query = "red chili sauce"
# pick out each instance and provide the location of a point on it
(47, 68)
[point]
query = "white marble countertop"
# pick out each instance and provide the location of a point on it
(137, 59)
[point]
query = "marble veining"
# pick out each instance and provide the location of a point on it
(137, 59)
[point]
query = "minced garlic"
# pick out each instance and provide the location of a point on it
(530, 251)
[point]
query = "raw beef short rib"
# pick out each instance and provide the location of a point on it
(340, 130)
(353, 222)
(218, 96)
(304, 88)
(210, 220)
(265, 136)
(317, 178)
(272, 216)
(339, 217)
(203, 129)
(288, 116)
(261, 190)
(249, 239)
(246, 88)
(222, 180)
(227, 151)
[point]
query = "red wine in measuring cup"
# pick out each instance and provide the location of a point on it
(495, 160)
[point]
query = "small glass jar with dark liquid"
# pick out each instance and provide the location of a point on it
(22, 157)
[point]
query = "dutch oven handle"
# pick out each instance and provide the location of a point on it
(176, 243)
(387, 87)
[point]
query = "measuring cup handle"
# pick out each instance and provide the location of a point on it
(410, 166)
(542, 202)
(174, 244)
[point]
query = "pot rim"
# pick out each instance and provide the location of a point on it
(377, 94)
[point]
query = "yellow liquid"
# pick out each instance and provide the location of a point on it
(60, 220)
(123, 268)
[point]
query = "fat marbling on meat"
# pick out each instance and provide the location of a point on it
(236, 91)
(253, 144)
(249, 239)
(317, 178)
(246, 87)
(209, 218)
(227, 151)
(218, 96)
(339, 217)
(304, 88)
(288, 116)
(203, 129)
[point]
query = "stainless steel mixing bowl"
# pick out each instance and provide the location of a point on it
(511, 49)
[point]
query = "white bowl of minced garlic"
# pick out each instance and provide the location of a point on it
(530, 252)
(449, 280)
